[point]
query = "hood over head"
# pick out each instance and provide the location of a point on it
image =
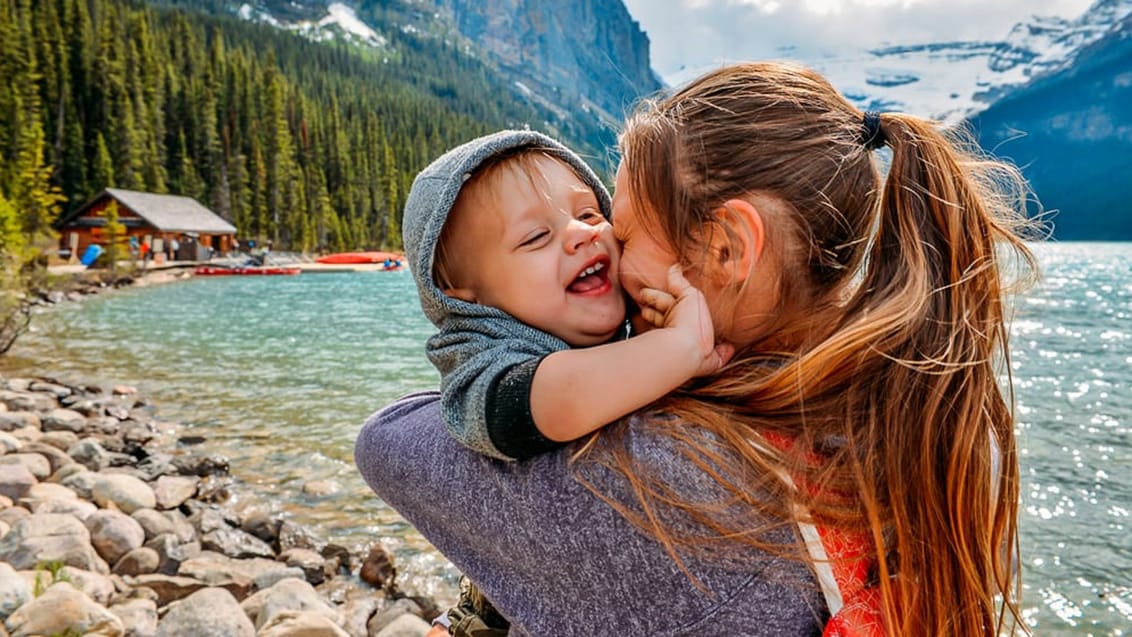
(434, 193)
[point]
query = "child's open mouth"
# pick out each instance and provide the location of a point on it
(593, 279)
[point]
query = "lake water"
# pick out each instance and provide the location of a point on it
(279, 372)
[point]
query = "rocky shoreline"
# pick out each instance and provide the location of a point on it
(112, 524)
(73, 285)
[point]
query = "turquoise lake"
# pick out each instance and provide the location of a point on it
(277, 373)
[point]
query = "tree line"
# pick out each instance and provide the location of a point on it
(311, 145)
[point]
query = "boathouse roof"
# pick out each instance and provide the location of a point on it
(167, 213)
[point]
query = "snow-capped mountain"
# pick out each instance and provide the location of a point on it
(1071, 132)
(589, 52)
(1054, 95)
(339, 21)
(955, 80)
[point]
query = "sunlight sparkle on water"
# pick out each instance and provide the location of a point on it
(278, 376)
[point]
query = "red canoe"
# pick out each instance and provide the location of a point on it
(361, 257)
(255, 270)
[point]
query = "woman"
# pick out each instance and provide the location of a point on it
(856, 451)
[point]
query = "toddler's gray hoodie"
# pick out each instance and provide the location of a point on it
(485, 357)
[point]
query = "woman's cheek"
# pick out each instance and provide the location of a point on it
(630, 279)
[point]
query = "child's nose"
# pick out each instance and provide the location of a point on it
(580, 234)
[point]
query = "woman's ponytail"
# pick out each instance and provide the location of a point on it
(934, 270)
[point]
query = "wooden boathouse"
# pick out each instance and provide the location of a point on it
(159, 221)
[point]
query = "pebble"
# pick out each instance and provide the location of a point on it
(103, 531)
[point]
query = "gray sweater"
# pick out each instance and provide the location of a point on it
(558, 561)
(486, 358)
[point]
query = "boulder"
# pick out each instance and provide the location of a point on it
(139, 561)
(152, 522)
(235, 543)
(78, 479)
(377, 569)
(356, 614)
(172, 491)
(89, 454)
(13, 514)
(293, 623)
(15, 480)
(125, 492)
(138, 617)
(182, 528)
(389, 615)
(406, 625)
(95, 585)
(50, 537)
(210, 612)
(113, 534)
(61, 440)
(167, 588)
(9, 443)
(39, 466)
(28, 401)
(80, 509)
(62, 419)
(12, 420)
(14, 590)
(56, 457)
(62, 609)
(55, 389)
(312, 564)
(289, 594)
(171, 552)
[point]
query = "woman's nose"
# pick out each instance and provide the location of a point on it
(579, 234)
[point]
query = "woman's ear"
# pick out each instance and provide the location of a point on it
(738, 248)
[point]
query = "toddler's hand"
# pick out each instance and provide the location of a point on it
(683, 308)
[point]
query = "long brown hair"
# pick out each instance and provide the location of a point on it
(896, 291)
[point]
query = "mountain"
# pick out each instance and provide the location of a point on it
(1054, 96)
(591, 49)
(955, 80)
(1071, 132)
(585, 59)
(310, 144)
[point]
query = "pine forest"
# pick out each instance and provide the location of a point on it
(312, 145)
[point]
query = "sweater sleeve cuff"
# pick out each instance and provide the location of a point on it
(510, 424)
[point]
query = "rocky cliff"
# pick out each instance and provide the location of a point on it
(590, 49)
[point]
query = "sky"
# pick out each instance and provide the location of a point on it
(689, 35)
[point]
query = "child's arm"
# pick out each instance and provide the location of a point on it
(578, 391)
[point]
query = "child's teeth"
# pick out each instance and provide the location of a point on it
(590, 270)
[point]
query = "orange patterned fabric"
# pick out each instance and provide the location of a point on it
(848, 557)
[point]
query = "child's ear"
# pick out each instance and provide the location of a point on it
(464, 294)
(737, 245)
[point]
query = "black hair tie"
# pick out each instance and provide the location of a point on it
(873, 137)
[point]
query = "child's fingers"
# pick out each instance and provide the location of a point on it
(654, 318)
(657, 299)
(677, 284)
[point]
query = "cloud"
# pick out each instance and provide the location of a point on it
(696, 33)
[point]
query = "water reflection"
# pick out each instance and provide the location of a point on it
(278, 374)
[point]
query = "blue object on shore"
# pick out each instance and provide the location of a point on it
(92, 252)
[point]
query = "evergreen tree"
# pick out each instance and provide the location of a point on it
(102, 172)
(115, 234)
(309, 144)
(12, 239)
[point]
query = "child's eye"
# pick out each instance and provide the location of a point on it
(534, 239)
(591, 216)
